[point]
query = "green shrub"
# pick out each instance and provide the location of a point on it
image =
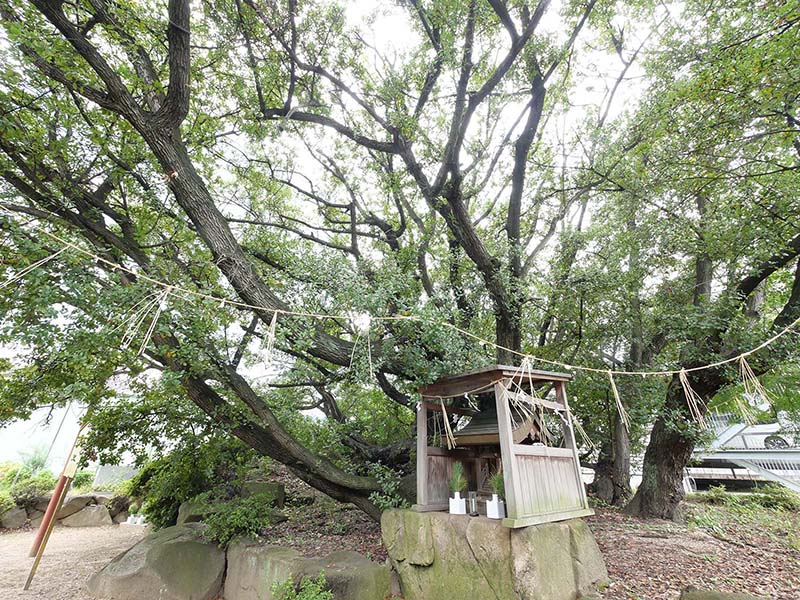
(163, 484)
(239, 517)
(308, 589)
(11, 473)
(717, 494)
(773, 495)
(8, 470)
(6, 502)
(83, 479)
(28, 490)
(389, 481)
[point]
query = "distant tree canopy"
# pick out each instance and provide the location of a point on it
(603, 185)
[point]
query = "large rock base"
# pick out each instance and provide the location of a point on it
(453, 557)
(254, 569)
(172, 564)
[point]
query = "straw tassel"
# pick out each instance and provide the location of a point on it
(693, 399)
(353, 353)
(524, 404)
(139, 316)
(451, 440)
(160, 306)
(576, 425)
(436, 438)
(752, 389)
(623, 414)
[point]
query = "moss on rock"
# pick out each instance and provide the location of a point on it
(439, 556)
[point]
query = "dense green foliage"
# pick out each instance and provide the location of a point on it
(186, 472)
(24, 483)
(28, 490)
(307, 589)
(606, 184)
(83, 480)
(232, 518)
(6, 501)
(389, 496)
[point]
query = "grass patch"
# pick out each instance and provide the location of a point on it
(770, 514)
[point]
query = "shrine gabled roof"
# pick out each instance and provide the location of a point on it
(473, 381)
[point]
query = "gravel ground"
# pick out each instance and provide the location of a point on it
(72, 555)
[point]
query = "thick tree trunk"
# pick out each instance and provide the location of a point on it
(509, 334)
(675, 431)
(671, 445)
(621, 464)
(602, 485)
(612, 475)
(267, 436)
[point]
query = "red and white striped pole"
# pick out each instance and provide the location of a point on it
(56, 500)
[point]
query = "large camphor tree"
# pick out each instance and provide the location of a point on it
(268, 153)
(278, 156)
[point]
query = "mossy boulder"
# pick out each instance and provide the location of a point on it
(193, 511)
(349, 575)
(94, 515)
(254, 569)
(72, 504)
(175, 563)
(117, 505)
(439, 556)
(13, 518)
(35, 517)
(270, 488)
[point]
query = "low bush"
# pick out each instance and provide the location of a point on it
(8, 471)
(27, 491)
(717, 494)
(237, 517)
(83, 480)
(6, 502)
(307, 589)
(163, 484)
(773, 495)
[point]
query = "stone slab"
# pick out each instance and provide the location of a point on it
(90, 516)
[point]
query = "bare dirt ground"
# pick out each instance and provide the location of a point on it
(722, 549)
(71, 556)
(324, 525)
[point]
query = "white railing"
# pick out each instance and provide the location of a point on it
(780, 466)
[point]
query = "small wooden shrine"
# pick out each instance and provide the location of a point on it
(513, 419)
